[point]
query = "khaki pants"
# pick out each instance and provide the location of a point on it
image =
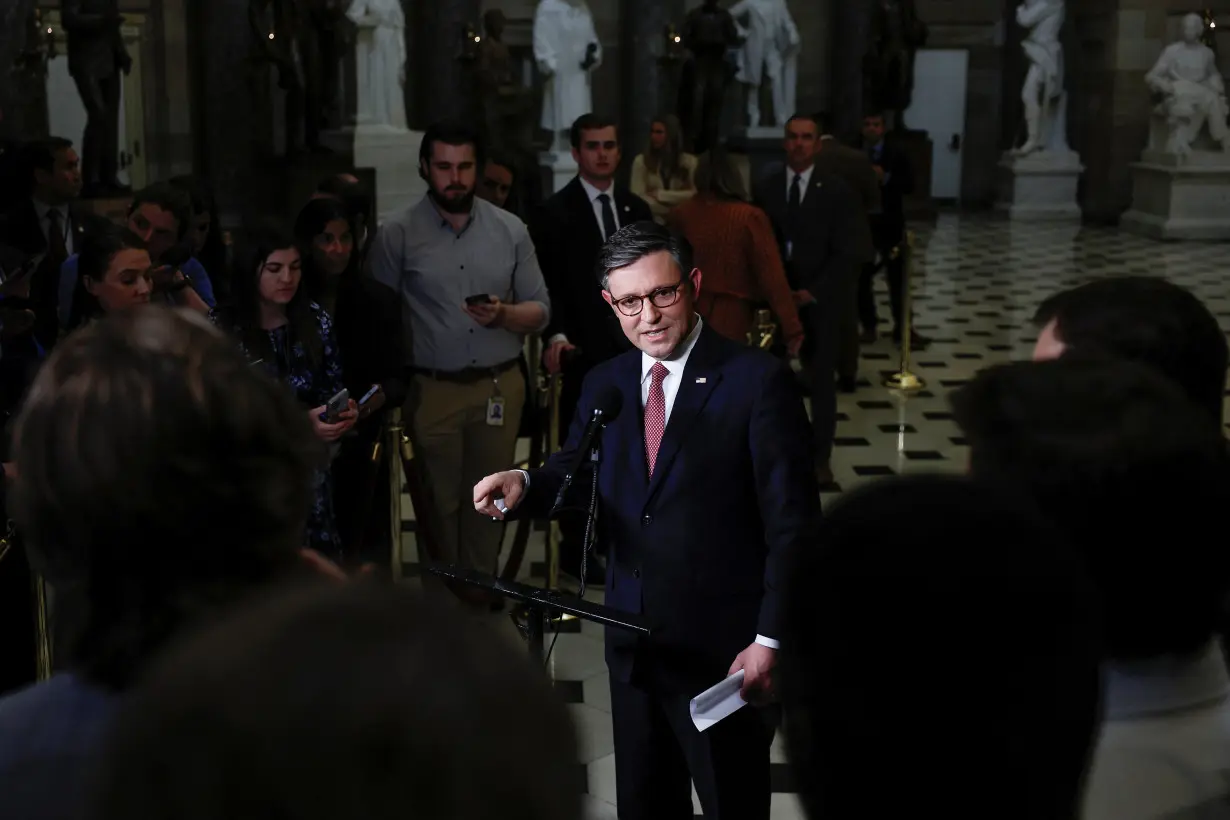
(455, 448)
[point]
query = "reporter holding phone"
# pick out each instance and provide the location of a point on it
(366, 316)
(283, 330)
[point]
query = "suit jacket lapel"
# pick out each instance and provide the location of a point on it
(630, 425)
(584, 210)
(699, 378)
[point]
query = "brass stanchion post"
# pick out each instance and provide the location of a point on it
(42, 629)
(905, 380)
(394, 433)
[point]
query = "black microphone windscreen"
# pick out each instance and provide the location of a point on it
(609, 401)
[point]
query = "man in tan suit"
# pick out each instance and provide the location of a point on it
(854, 168)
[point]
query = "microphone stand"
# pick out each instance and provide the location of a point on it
(591, 514)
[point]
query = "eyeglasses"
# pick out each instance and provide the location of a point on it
(661, 298)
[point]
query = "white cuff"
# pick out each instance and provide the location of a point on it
(558, 337)
(769, 642)
(525, 477)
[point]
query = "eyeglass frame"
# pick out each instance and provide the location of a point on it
(641, 298)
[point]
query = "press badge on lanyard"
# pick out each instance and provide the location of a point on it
(495, 407)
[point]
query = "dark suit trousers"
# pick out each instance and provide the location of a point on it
(17, 647)
(823, 323)
(100, 150)
(659, 753)
(866, 294)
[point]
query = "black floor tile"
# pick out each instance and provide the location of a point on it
(872, 470)
(924, 455)
(571, 691)
(897, 428)
(967, 355)
(850, 441)
(875, 405)
(937, 415)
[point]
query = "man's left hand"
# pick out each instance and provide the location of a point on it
(804, 297)
(757, 663)
(488, 315)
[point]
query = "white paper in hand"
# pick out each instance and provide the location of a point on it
(717, 702)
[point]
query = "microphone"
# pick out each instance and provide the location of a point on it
(607, 405)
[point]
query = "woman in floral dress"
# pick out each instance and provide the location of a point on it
(292, 337)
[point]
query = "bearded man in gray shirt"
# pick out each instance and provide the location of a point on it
(471, 289)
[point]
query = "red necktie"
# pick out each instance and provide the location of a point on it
(655, 414)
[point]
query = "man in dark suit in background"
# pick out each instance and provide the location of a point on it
(707, 491)
(855, 169)
(569, 230)
(815, 218)
(97, 59)
(46, 223)
(896, 175)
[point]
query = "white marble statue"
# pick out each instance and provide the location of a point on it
(1192, 89)
(381, 57)
(770, 48)
(1045, 101)
(566, 49)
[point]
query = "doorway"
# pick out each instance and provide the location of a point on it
(66, 114)
(938, 107)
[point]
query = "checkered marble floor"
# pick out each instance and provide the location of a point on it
(977, 283)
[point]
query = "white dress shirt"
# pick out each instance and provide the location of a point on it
(41, 209)
(593, 194)
(804, 182)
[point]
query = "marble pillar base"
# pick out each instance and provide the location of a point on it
(558, 167)
(394, 155)
(1173, 199)
(1039, 186)
(763, 149)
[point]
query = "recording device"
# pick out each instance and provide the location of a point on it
(479, 299)
(607, 405)
(368, 395)
(336, 406)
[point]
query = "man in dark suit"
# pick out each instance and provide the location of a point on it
(96, 59)
(815, 218)
(46, 223)
(707, 492)
(568, 232)
(896, 176)
(855, 169)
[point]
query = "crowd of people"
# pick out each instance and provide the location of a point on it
(193, 470)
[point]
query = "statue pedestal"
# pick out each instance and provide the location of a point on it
(394, 155)
(558, 170)
(763, 149)
(1180, 199)
(1039, 186)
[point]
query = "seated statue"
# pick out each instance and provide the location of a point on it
(1193, 92)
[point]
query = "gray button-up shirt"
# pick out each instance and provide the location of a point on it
(418, 254)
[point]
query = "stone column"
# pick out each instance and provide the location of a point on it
(850, 22)
(444, 85)
(644, 79)
(22, 94)
(233, 115)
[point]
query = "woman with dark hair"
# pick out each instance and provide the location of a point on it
(205, 233)
(735, 247)
(367, 322)
(114, 273)
(282, 329)
(663, 175)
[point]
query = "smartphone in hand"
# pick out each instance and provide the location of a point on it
(336, 406)
(479, 299)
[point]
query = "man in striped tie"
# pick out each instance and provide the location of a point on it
(707, 487)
